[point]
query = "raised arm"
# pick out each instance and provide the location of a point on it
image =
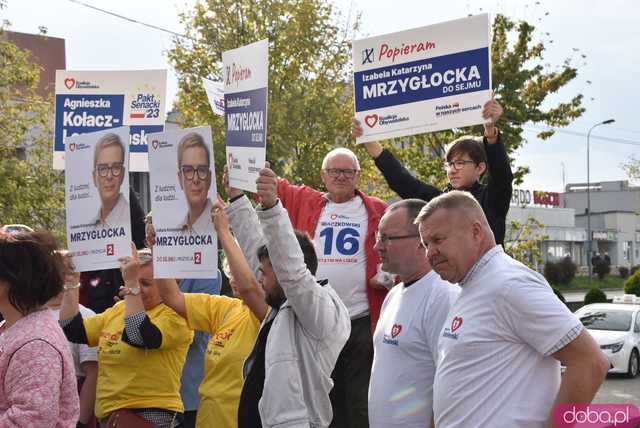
(399, 179)
(498, 164)
(243, 276)
(168, 288)
(318, 308)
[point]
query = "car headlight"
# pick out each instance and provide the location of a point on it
(614, 347)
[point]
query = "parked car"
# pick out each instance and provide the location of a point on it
(15, 228)
(616, 328)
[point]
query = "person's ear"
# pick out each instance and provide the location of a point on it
(482, 167)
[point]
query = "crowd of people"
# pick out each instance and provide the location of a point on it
(346, 312)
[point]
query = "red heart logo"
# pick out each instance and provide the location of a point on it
(72, 146)
(154, 143)
(69, 82)
(456, 323)
(395, 330)
(94, 282)
(371, 120)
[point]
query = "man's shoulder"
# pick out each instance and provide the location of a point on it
(373, 202)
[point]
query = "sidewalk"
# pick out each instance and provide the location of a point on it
(576, 296)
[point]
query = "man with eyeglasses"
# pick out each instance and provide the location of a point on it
(412, 316)
(194, 175)
(466, 161)
(108, 175)
(343, 222)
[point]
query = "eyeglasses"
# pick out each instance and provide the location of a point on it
(115, 168)
(189, 171)
(457, 165)
(384, 239)
(335, 172)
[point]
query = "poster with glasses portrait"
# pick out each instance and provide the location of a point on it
(96, 198)
(183, 189)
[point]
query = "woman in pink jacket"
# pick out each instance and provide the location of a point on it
(38, 387)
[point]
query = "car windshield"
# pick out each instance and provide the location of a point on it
(606, 319)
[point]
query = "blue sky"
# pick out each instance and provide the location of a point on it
(606, 32)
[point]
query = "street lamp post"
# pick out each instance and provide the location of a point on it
(606, 122)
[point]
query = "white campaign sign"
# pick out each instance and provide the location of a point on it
(422, 80)
(183, 186)
(89, 101)
(215, 95)
(96, 192)
(246, 74)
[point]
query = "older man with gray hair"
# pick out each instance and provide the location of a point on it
(343, 222)
(505, 336)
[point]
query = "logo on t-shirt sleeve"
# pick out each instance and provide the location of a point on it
(450, 332)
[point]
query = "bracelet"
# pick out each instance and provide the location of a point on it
(131, 291)
(71, 286)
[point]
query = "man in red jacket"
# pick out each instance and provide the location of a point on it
(342, 223)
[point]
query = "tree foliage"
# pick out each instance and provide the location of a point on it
(310, 85)
(310, 100)
(31, 192)
(522, 241)
(632, 168)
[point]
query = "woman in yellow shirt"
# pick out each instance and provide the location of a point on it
(233, 324)
(142, 346)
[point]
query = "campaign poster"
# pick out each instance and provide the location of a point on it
(422, 80)
(246, 74)
(97, 198)
(215, 95)
(183, 187)
(89, 101)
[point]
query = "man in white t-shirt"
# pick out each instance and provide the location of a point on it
(406, 338)
(343, 222)
(505, 336)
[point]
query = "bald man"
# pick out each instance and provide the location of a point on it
(505, 336)
(411, 319)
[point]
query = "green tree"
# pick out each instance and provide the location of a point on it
(31, 192)
(522, 241)
(310, 100)
(310, 85)
(632, 168)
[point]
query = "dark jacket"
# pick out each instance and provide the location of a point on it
(494, 197)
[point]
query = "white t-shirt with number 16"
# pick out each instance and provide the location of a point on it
(339, 240)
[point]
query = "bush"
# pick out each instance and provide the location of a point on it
(595, 295)
(552, 273)
(561, 272)
(634, 269)
(623, 271)
(632, 284)
(601, 269)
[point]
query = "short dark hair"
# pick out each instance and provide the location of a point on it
(307, 247)
(32, 268)
(413, 207)
(469, 146)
